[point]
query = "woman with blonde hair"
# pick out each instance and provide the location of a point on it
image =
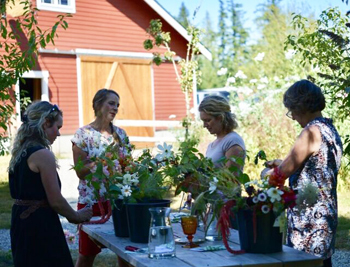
(37, 237)
(228, 147)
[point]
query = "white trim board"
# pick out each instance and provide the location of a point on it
(177, 26)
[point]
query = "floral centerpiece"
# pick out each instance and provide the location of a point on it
(115, 175)
(267, 196)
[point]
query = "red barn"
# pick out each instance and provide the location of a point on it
(103, 48)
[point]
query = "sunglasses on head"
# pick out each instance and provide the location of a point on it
(54, 108)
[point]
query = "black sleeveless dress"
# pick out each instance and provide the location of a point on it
(37, 240)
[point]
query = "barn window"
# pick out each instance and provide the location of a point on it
(66, 6)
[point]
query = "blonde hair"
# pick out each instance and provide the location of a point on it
(31, 132)
(218, 106)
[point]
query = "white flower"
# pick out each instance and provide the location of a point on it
(261, 86)
(264, 79)
(253, 80)
(265, 208)
(165, 151)
(230, 80)
(289, 54)
(134, 179)
(126, 191)
(255, 199)
(127, 179)
(276, 79)
(262, 197)
(260, 56)
(240, 74)
(213, 185)
(222, 71)
(274, 194)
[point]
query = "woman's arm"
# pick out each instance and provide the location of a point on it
(236, 152)
(43, 161)
(80, 155)
(308, 143)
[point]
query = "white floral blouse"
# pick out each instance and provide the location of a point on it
(94, 143)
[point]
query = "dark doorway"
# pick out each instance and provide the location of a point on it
(29, 91)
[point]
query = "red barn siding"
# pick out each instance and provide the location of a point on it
(63, 87)
(169, 99)
(116, 25)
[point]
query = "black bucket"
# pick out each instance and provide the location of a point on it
(139, 219)
(120, 220)
(268, 238)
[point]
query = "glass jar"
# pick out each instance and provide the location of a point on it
(161, 243)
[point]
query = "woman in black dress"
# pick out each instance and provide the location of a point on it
(37, 237)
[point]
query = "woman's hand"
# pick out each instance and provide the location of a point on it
(83, 215)
(273, 163)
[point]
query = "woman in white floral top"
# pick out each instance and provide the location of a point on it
(89, 141)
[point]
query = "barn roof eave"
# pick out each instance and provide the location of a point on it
(177, 26)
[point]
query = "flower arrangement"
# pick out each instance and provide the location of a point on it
(269, 194)
(116, 175)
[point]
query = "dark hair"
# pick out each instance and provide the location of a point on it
(304, 96)
(218, 106)
(100, 97)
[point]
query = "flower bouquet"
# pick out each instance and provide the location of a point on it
(261, 207)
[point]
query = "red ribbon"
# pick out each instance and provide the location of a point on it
(224, 225)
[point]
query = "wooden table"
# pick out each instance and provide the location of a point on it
(104, 233)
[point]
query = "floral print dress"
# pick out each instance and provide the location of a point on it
(94, 144)
(313, 230)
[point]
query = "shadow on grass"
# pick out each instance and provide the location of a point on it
(6, 259)
(104, 259)
(343, 233)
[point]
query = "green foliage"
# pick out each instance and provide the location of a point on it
(183, 16)
(20, 39)
(188, 66)
(324, 45)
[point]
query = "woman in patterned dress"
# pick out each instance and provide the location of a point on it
(90, 141)
(315, 157)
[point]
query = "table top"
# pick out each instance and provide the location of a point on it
(104, 233)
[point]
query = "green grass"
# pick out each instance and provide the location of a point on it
(343, 230)
(5, 206)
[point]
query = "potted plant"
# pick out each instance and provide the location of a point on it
(129, 183)
(260, 212)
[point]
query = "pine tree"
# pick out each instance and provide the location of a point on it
(182, 18)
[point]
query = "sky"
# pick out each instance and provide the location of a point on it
(249, 7)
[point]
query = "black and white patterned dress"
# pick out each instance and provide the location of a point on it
(313, 230)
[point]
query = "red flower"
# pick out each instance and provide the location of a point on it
(277, 178)
(289, 198)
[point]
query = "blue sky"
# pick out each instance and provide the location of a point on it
(249, 7)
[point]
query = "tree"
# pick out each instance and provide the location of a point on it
(183, 16)
(20, 40)
(325, 45)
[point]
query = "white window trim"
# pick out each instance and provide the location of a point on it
(56, 7)
(44, 76)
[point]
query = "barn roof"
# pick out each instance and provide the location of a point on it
(176, 25)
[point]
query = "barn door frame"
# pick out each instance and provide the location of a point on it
(105, 53)
(43, 75)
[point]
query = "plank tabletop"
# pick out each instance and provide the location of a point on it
(104, 234)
